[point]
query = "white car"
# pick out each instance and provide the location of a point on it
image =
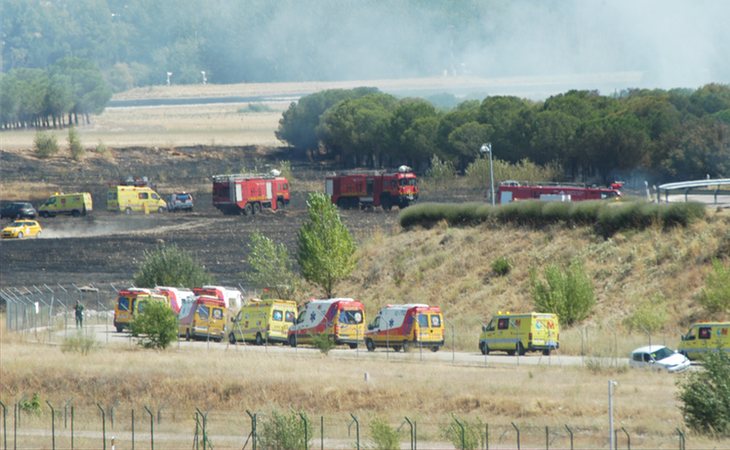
(659, 357)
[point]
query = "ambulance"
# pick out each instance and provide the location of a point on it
(202, 318)
(175, 296)
(129, 199)
(406, 326)
(704, 337)
(263, 321)
(231, 296)
(126, 305)
(521, 333)
(75, 204)
(343, 319)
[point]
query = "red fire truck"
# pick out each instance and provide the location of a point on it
(247, 194)
(363, 188)
(510, 191)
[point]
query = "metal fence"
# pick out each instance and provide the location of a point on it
(94, 426)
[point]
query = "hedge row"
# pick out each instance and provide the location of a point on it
(606, 217)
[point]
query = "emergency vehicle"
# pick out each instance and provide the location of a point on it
(509, 191)
(75, 204)
(129, 199)
(363, 188)
(520, 333)
(126, 305)
(704, 337)
(263, 321)
(202, 318)
(248, 194)
(232, 297)
(406, 326)
(175, 296)
(342, 319)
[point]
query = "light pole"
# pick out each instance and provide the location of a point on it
(205, 80)
(611, 388)
(169, 74)
(487, 148)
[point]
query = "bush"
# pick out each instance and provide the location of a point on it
(715, 296)
(170, 266)
(472, 434)
(74, 145)
(649, 317)
(284, 431)
(501, 266)
(384, 436)
(705, 396)
(441, 173)
(682, 214)
(323, 342)
(79, 343)
(155, 324)
(566, 292)
(32, 406)
(103, 150)
(45, 145)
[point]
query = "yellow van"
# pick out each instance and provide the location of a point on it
(202, 318)
(263, 321)
(127, 305)
(75, 204)
(404, 326)
(342, 319)
(129, 199)
(704, 337)
(520, 333)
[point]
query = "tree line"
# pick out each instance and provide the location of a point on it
(655, 134)
(55, 97)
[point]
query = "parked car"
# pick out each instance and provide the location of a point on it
(659, 357)
(18, 210)
(179, 201)
(22, 228)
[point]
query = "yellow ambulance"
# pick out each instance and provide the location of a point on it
(127, 305)
(704, 337)
(263, 321)
(129, 199)
(521, 333)
(75, 204)
(406, 326)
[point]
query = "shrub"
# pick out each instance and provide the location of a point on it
(45, 145)
(566, 292)
(441, 173)
(155, 324)
(705, 396)
(323, 342)
(501, 266)
(715, 296)
(553, 212)
(32, 406)
(74, 145)
(472, 434)
(585, 213)
(284, 431)
(682, 214)
(384, 436)
(103, 150)
(649, 317)
(170, 266)
(79, 343)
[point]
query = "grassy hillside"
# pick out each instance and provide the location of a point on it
(655, 270)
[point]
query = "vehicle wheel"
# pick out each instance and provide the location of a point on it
(396, 348)
(520, 349)
(247, 210)
(75, 213)
(511, 352)
(546, 352)
(160, 210)
(259, 339)
(280, 203)
(370, 345)
(342, 203)
(120, 329)
(232, 339)
(406, 346)
(128, 211)
(44, 214)
(386, 203)
(293, 340)
(20, 235)
(187, 335)
(256, 208)
(435, 348)
(352, 346)
(38, 234)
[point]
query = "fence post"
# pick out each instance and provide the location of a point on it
(132, 428)
(453, 344)
(357, 430)
(53, 425)
(152, 427)
(547, 439)
(410, 424)
(628, 438)
(681, 439)
(72, 427)
(321, 432)
(486, 436)
(103, 424)
(518, 434)
(253, 428)
(306, 434)
(570, 432)
(205, 424)
(463, 432)
(5, 429)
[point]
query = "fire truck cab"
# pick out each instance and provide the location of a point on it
(365, 188)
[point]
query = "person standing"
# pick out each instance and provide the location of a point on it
(79, 308)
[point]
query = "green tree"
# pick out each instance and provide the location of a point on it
(326, 249)
(155, 324)
(566, 292)
(74, 145)
(270, 266)
(170, 266)
(705, 396)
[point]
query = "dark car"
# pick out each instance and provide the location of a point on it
(18, 210)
